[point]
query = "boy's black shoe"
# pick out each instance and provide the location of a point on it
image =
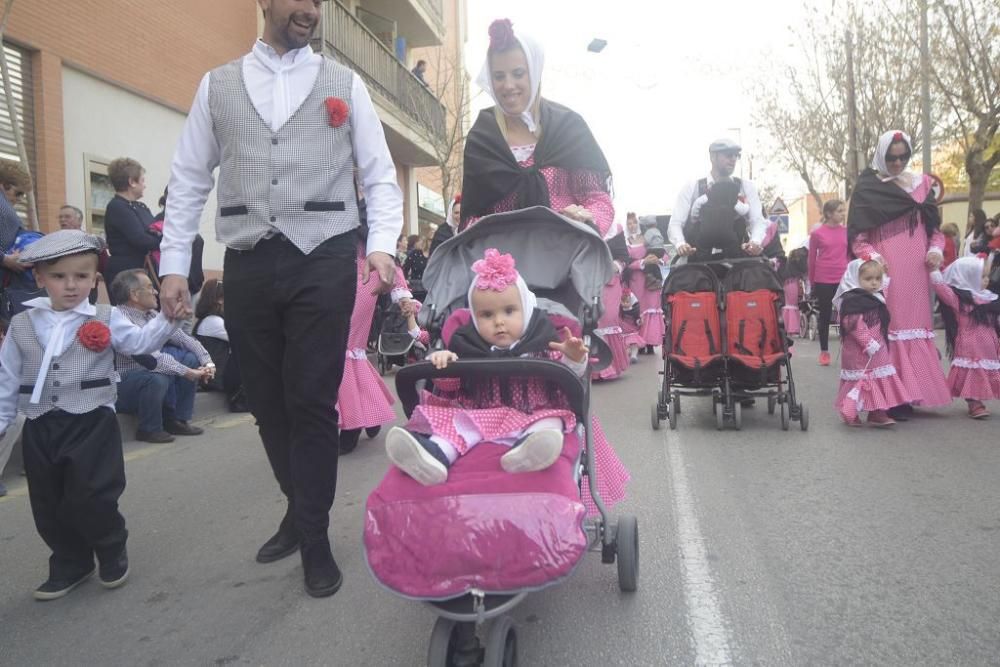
(114, 572)
(322, 576)
(58, 586)
(155, 437)
(178, 427)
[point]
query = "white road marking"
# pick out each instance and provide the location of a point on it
(705, 619)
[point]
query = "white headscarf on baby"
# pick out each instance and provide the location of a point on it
(966, 273)
(906, 178)
(535, 57)
(851, 280)
(528, 300)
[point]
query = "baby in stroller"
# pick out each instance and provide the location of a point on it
(524, 415)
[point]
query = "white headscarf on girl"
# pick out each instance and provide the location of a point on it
(966, 273)
(535, 57)
(905, 179)
(452, 220)
(851, 280)
(496, 272)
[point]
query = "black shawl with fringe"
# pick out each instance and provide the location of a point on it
(874, 203)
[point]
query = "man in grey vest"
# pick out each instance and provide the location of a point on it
(287, 128)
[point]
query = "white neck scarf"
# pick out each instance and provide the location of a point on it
(850, 281)
(61, 322)
(905, 179)
(966, 273)
(535, 57)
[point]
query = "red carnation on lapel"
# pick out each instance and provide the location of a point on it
(94, 335)
(338, 111)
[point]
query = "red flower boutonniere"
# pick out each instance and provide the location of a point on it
(338, 111)
(94, 335)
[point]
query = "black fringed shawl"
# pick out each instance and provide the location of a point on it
(874, 203)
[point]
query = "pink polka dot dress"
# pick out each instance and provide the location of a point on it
(975, 368)
(652, 327)
(908, 297)
(867, 382)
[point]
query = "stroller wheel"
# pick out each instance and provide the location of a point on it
(443, 644)
(785, 415)
(677, 402)
(501, 644)
(772, 401)
(672, 409)
(382, 364)
(627, 545)
(654, 417)
(719, 408)
(803, 417)
(737, 415)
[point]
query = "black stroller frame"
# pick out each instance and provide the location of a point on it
(454, 639)
(729, 393)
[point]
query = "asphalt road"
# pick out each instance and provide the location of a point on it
(836, 546)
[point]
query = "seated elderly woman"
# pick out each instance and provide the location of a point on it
(158, 388)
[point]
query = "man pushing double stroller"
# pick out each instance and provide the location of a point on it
(718, 217)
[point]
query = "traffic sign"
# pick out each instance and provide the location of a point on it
(937, 187)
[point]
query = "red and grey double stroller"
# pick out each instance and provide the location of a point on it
(726, 339)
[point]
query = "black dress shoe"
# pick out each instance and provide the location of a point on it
(349, 440)
(373, 431)
(113, 572)
(283, 543)
(901, 413)
(178, 427)
(156, 437)
(56, 586)
(322, 576)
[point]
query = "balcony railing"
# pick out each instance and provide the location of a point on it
(350, 42)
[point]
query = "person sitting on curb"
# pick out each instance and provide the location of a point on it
(159, 388)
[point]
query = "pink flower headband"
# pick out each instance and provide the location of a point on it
(494, 271)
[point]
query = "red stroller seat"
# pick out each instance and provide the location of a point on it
(695, 334)
(754, 335)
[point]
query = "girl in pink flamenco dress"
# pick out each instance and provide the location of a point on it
(610, 326)
(868, 380)
(970, 313)
(652, 326)
(527, 415)
(893, 218)
(364, 402)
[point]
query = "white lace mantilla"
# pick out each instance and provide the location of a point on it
(358, 354)
(985, 364)
(880, 372)
(911, 334)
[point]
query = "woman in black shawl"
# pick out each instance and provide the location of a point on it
(528, 151)
(893, 218)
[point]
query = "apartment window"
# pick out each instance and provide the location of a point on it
(98, 191)
(19, 63)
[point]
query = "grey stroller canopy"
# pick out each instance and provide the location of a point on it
(561, 260)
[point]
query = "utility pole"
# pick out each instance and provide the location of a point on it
(925, 88)
(852, 118)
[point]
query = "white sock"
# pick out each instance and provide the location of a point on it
(448, 449)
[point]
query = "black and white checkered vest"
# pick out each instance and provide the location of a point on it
(78, 381)
(298, 180)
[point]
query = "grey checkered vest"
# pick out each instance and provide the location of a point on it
(298, 180)
(79, 380)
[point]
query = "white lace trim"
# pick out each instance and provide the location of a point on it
(911, 334)
(880, 372)
(985, 364)
(605, 331)
(358, 354)
(652, 311)
(400, 293)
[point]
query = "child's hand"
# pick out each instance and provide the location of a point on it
(407, 307)
(571, 346)
(441, 358)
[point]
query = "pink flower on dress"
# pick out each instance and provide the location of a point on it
(494, 271)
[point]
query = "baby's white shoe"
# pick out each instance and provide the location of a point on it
(535, 451)
(414, 454)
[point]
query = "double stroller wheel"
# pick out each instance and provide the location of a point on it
(451, 639)
(627, 553)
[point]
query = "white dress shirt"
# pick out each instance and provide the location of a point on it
(757, 225)
(277, 86)
(55, 331)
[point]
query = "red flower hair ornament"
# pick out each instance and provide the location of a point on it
(94, 335)
(502, 35)
(494, 271)
(337, 110)
(898, 137)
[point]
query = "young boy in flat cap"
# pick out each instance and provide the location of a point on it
(57, 368)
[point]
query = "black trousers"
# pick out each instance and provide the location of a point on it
(76, 473)
(824, 295)
(288, 317)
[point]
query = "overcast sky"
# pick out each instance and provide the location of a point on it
(672, 78)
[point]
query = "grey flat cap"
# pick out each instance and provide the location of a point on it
(59, 244)
(721, 145)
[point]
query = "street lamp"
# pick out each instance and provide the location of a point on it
(597, 45)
